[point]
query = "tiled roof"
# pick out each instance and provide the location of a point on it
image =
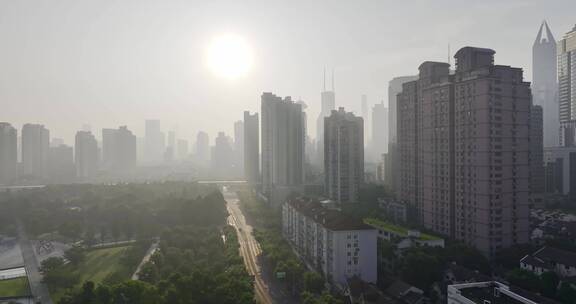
(330, 219)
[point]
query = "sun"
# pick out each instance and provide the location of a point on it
(229, 56)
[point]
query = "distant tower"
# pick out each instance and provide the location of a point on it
(8, 153)
(544, 85)
(251, 147)
(365, 116)
(567, 88)
(328, 99)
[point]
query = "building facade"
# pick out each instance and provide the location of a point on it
(283, 139)
(328, 103)
(86, 155)
(8, 154)
(379, 131)
(567, 88)
(464, 149)
(251, 147)
(222, 156)
(330, 242)
(119, 150)
(343, 156)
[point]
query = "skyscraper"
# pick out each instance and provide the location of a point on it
(86, 155)
(35, 150)
(343, 155)
(182, 149)
(365, 117)
(544, 85)
(283, 137)
(537, 181)
(203, 149)
(251, 147)
(464, 148)
(8, 153)
(239, 147)
(567, 88)
(328, 103)
(379, 130)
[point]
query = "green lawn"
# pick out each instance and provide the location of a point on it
(14, 287)
(98, 265)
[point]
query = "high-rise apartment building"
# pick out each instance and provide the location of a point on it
(251, 147)
(239, 147)
(536, 152)
(86, 155)
(343, 155)
(35, 150)
(365, 117)
(8, 153)
(464, 150)
(379, 130)
(182, 149)
(567, 88)
(544, 84)
(119, 150)
(389, 162)
(283, 138)
(61, 164)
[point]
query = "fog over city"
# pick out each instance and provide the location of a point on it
(287, 152)
(106, 63)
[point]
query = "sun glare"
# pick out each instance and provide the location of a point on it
(229, 56)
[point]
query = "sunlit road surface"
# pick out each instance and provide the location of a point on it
(249, 247)
(38, 289)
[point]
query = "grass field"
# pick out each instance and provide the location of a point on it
(14, 287)
(99, 263)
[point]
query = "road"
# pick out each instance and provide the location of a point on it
(39, 290)
(146, 258)
(249, 247)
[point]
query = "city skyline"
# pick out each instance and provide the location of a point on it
(71, 78)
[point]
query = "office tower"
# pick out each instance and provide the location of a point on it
(86, 155)
(544, 84)
(343, 156)
(8, 153)
(239, 147)
(328, 103)
(61, 164)
(182, 149)
(251, 147)
(119, 150)
(154, 141)
(35, 149)
(560, 171)
(464, 148)
(536, 152)
(222, 156)
(379, 130)
(202, 149)
(567, 88)
(283, 136)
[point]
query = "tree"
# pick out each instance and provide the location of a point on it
(313, 282)
(51, 263)
(549, 283)
(524, 279)
(75, 255)
(566, 294)
(420, 269)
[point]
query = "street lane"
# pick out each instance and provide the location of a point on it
(249, 247)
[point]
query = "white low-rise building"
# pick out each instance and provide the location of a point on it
(330, 242)
(492, 292)
(562, 262)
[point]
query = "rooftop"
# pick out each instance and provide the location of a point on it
(497, 293)
(396, 229)
(331, 219)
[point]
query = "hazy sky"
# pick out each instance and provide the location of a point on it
(65, 63)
